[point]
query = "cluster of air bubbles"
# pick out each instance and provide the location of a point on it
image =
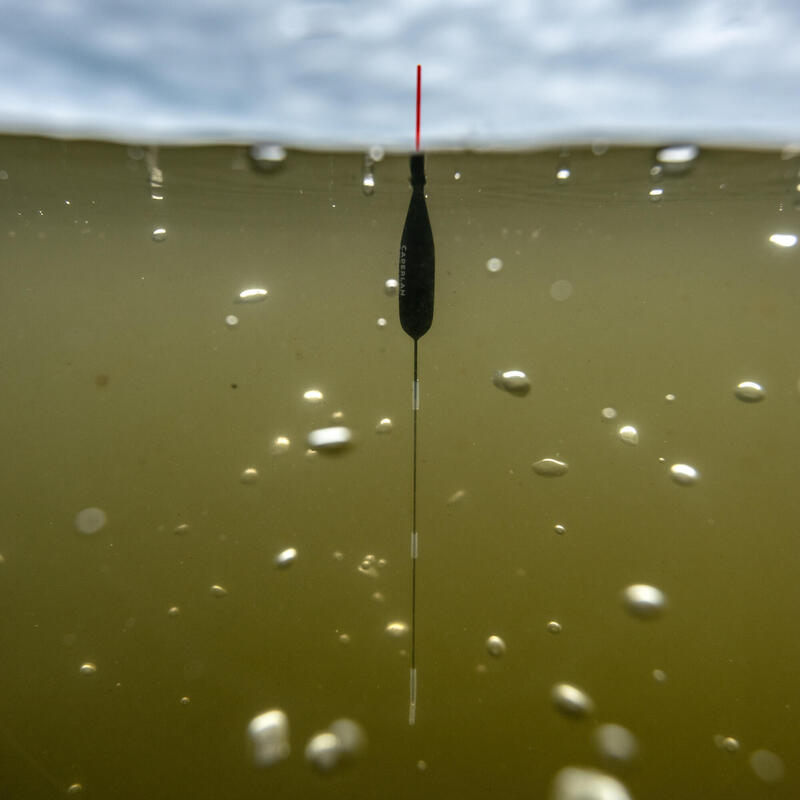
(331, 439)
(495, 646)
(371, 565)
(494, 265)
(384, 426)
(644, 601)
(286, 558)
(783, 239)
(749, 391)
(155, 176)
(550, 467)
(513, 381)
(90, 520)
(571, 701)
(254, 294)
(159, 234)
(579, 783)
(266, 157)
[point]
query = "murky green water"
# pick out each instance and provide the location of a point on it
(126, 389)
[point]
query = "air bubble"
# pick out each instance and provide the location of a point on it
(577, 783)
(382, 322)
(727, 743)
(391, 286)
(397, 629)
(384, 426)
(218, 591)
(683, 474)
(656, 194)
(74, 788)
(750, 391)
(494, 264)
(280, 444)
(249, 476)
(286, 558)
(677, 159)
(269, 737)
(628, 434)
(336, 438)
(495, 646)
(231, 320)
(182, 528)
(456, 176)
(615, 742)
(159, 234)
(313, 396)
(323, 752)
(457, 497)
(560, 529)
(644, 601)
(767, 766)
(88, 668)
(267, 157)
(376, 152)
(609, 413)
(783, 239)
(253, 295)
(659, 675)
(563, 175)
(550, 467)
(173, 611)
(513, 381)
(90, 520)
(561, 290)
(553, 627)
(670, 398)
(368, 184)
(571, 701)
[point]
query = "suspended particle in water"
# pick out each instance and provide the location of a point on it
(767, 766)
(659, 675)
(249, 476)
(683, 474)
(513, 381)
(560, 529)
(727, 743)
(382, 322)
(173, 611)
(217, 590)
(159, 234)
(579, 783)
(571, 701)
(182, 529)
(550, 467)
(494, 264)
(656, 194)
(615, 742)
(280, 444)
(384, 426)
(90, 520)
(267, 157)
(286, 557)
(609, 413)
(231, 320)
(397, 629)
(269, 737)
(495, 646)
(88, 668)
(644, 601)
(391, 286)
(628, 434)
(330, 439)
(561, 290)
(783, 239)
(313, 396)
(750, 391)
(553, 627)
(255, 294)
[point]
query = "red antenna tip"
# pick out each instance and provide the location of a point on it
(419, 89)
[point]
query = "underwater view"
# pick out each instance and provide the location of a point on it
(207, 424)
